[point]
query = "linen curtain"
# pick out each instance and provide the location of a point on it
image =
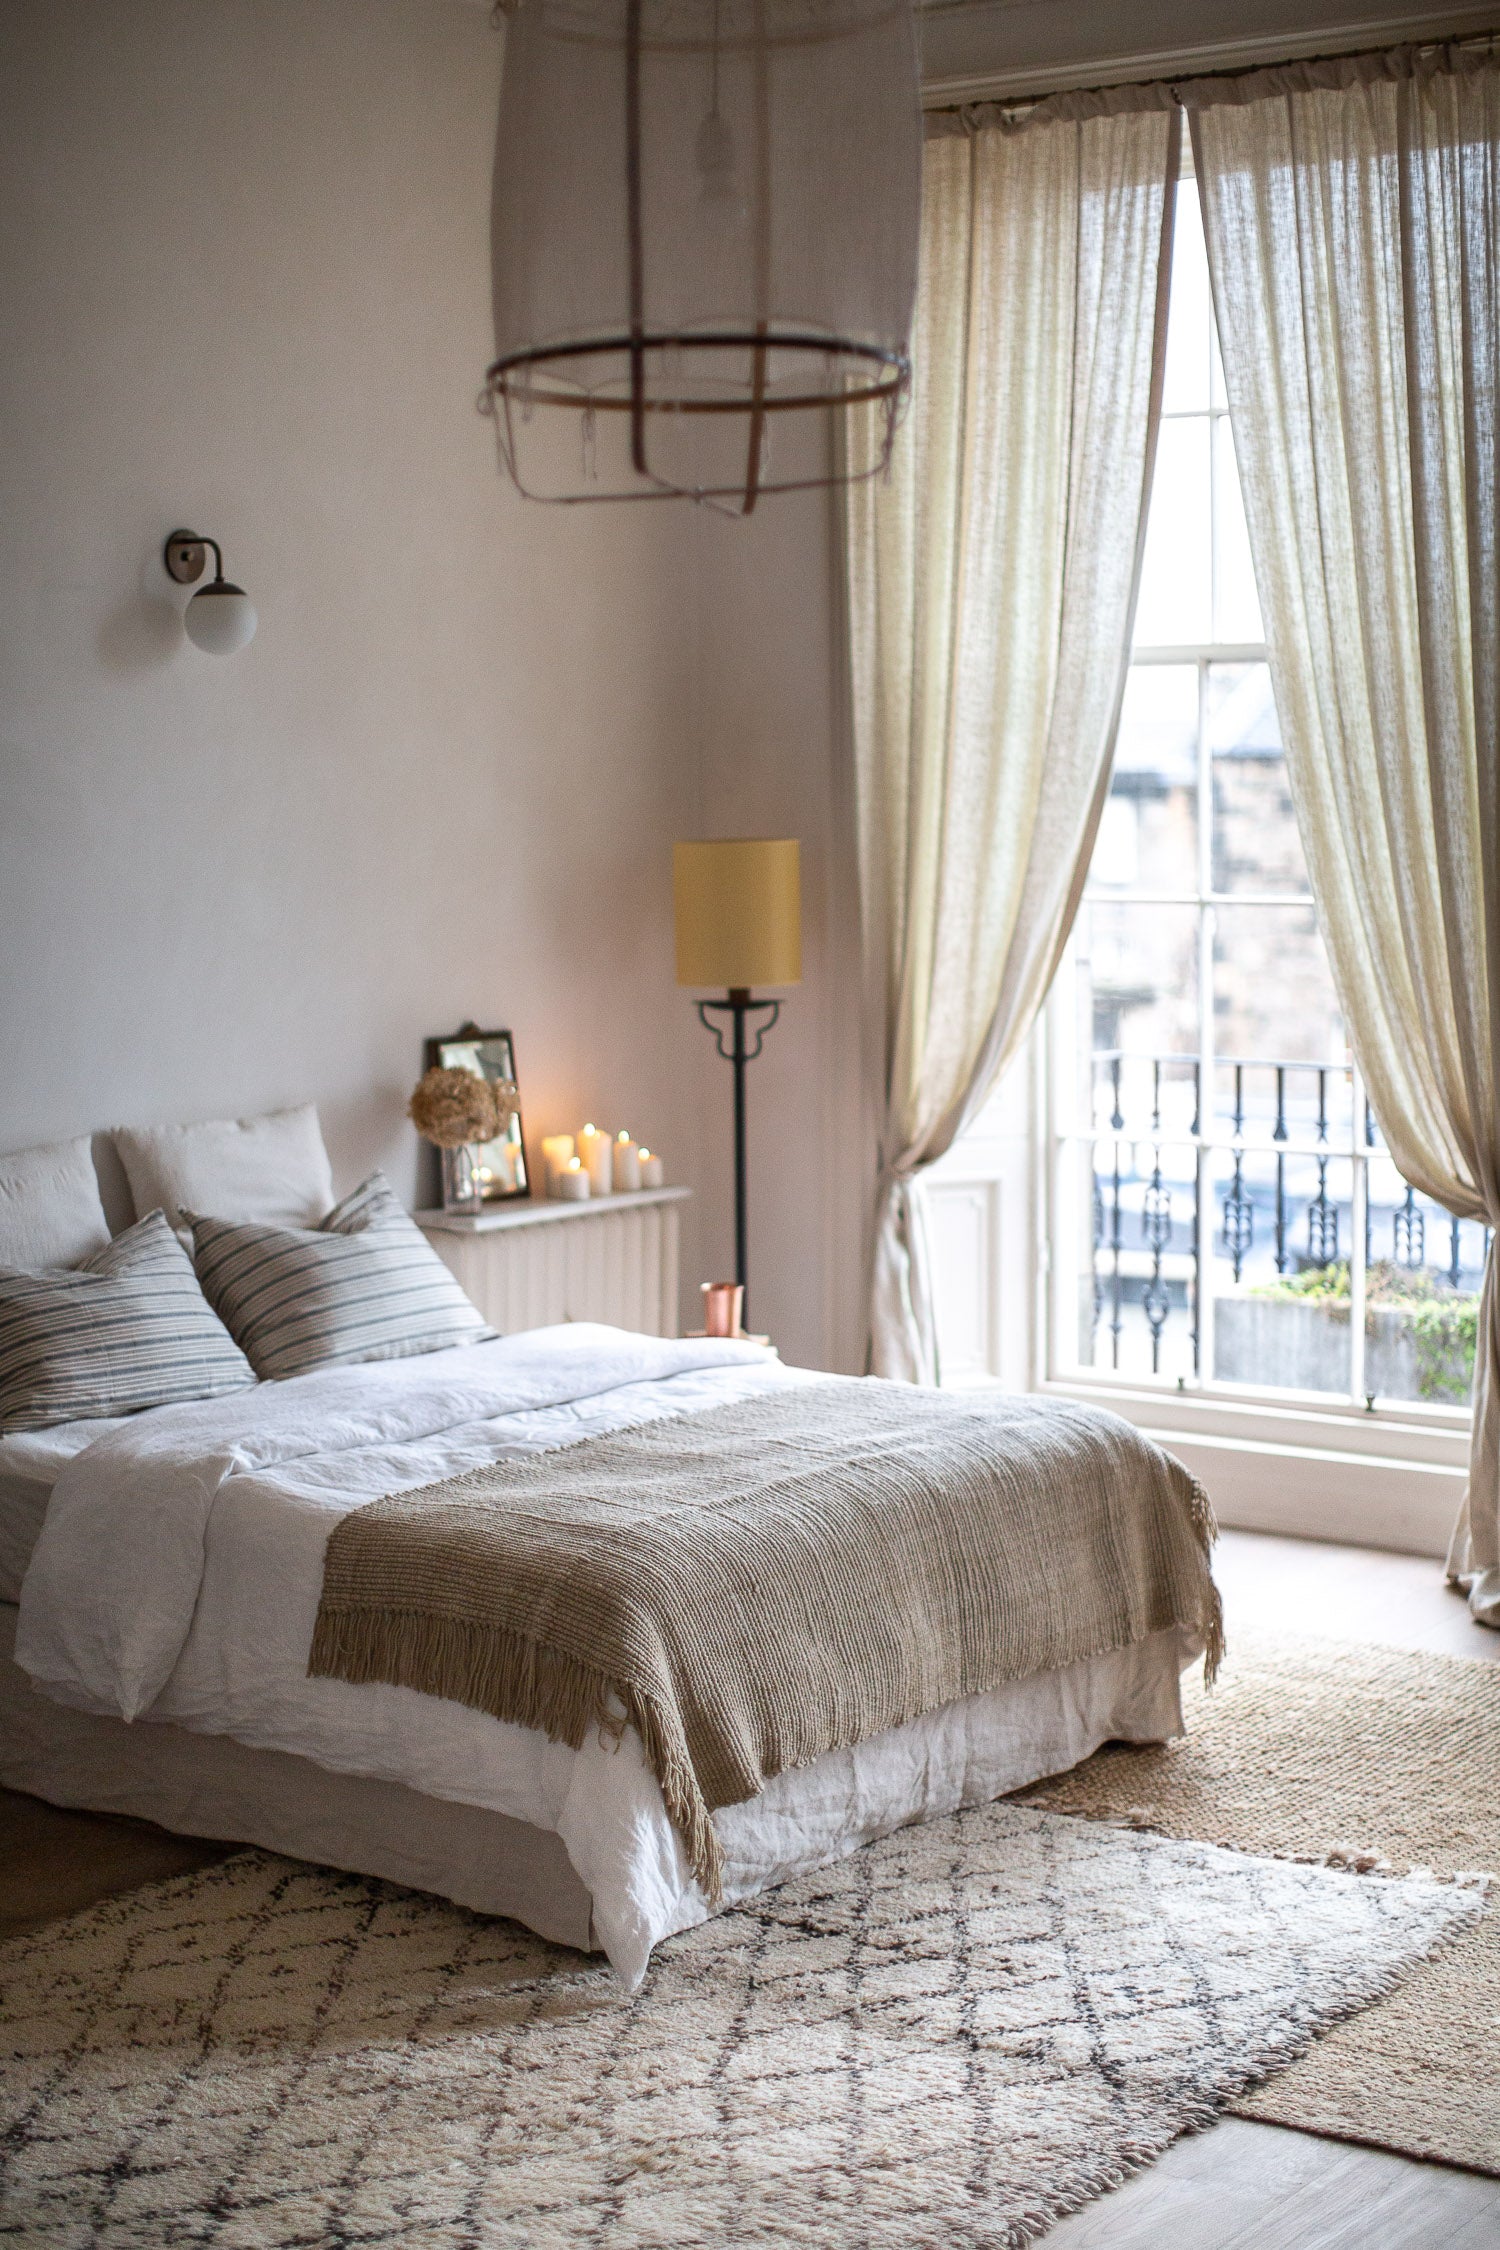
(991, 582)
(1353, 220)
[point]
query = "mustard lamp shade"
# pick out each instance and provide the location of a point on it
(739, 912)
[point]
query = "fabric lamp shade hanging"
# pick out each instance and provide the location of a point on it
(704, 235)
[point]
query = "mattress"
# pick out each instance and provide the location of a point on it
(173, 1589)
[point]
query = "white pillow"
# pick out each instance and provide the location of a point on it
(366, 1284)
(129, 1329)
(271, 1169)
(50, 1213)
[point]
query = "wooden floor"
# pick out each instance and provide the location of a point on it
(1346, 1594)
(1239, 2187)
(53, 1862)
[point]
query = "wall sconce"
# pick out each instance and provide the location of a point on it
(220, 618)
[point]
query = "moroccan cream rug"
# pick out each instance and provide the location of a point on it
(1332, 1748)
(949, 2040)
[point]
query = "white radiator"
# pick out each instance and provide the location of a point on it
(527, 1264)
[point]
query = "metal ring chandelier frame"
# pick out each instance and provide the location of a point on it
(762, 366)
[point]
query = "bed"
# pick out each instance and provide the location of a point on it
(161, 1574)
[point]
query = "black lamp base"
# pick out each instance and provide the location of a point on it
(739, 1005)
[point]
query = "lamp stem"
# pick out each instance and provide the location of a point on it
(739, 1003)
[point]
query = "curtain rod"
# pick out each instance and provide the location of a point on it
(954, 105)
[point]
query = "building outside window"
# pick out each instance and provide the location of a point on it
(1223, 1211)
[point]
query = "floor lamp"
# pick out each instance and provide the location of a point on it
(739, 924)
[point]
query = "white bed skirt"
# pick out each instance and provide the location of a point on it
(211, 1785)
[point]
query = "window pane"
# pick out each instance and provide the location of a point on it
(1176, 598)
(1282, 1232)
(1148, 837)
(1190, 322)
(1218, 395)
(1138, 977)
(1144, 1095)
(1236, 603)
(1273, 996)
(1425, 1271)
(1135, 1290)
(1274, 1101)
(1256, 846)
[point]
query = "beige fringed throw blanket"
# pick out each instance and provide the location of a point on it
(759, 1583)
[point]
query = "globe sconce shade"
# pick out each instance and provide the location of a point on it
(220, 618)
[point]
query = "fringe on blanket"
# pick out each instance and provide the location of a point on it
(529, 1684)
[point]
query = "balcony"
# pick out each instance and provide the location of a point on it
(1246, 1226)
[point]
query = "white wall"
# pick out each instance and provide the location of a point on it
(244, 272)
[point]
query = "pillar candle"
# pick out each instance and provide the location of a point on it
(557, 1151)
(652, 1174)
(627, 1165)
(572, 1182)
(596, 1150)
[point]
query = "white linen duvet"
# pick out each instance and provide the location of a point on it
(179, 1568)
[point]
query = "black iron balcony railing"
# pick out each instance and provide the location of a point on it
(1271, 1122)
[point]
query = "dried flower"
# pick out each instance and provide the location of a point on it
(454, 1108)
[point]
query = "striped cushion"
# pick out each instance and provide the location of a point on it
(127, 1328)
(365, 1284)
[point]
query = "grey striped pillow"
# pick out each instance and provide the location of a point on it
(364, 1284)
(126, 1329)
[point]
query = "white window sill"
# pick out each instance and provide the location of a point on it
(1326, 1469)
(1391, 1478)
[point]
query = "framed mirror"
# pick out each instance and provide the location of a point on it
(501, 1163)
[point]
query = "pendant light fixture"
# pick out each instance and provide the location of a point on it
(704, 236)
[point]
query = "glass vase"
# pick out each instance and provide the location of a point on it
(463, 1189)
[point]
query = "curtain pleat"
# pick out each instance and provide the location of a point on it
(991, 583)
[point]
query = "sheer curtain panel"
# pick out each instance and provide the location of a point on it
(991, 581)
(1353, 219)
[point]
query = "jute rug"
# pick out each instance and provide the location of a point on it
(1361, 1754)
(944, 2043)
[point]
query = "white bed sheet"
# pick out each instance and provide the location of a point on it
(178, 1573)
(968, 1753)
(30, 1463)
